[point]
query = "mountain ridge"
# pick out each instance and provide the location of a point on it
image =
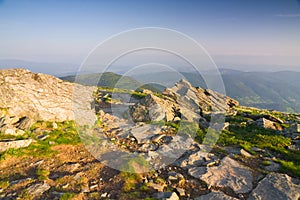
(266, 90)
(141, 144)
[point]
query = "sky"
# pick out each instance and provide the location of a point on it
(245, 35)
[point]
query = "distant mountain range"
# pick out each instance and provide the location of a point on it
(267, 90)
(110, 80)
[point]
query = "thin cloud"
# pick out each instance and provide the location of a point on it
(288, 15)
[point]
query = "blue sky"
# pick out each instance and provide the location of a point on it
(238, 34)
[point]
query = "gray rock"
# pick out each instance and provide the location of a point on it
(167, 196)
(173, 196)
(276, 186)
(256, 149)
(295, 145)
(10, 131)
(183, 101)
(181, 192)
(38, 189)
(24, 123)
(158, 187)
(245, 153)
(152, 108)
(173, 176)
(143, 134)
(215, 195)
(294, 128)
(104, 194)
(273, 167)
(232, 149)
(43, 137)
(198, 158)
(15, 144)
(229, 174)
(197, 172)
(44, 97)
(156, 113)
(176, 147)
(10, 125)
(268, 124)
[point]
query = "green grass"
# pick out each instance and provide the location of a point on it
(136, 94)
(132, 163)
(24, 195)
(66, 133)
(253, 136)
(290, 166)
(266, 163)
(4, 184)
(130, 181)
(18, 137)
(67, 196)
(42, 174)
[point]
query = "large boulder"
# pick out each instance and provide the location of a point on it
(276, 186)
(44, 97)
(230, 174)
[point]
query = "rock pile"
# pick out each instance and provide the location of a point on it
(182, 101)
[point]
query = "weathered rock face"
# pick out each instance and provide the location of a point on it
(276, 186)
(215, 196)
(229, 174)
(183, 101)
(38, 189)
(43, 97)
(152, 108)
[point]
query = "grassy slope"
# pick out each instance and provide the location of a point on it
(109, 80)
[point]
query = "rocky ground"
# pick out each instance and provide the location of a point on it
(149, 145)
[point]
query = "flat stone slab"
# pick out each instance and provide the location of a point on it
(38, 189)
(276, 186)
(215, 195)
(16, 144)
(197, 171)
(230, 174)
(145, 132)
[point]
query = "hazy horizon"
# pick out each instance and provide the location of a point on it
(246, 36)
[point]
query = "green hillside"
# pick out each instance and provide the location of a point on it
(267, 90)
(111, 80)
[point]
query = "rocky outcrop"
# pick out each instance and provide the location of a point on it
(207, 99)
(152, 108)
(42, 97)
(268, 124)
(276, 186)
(183, 101)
